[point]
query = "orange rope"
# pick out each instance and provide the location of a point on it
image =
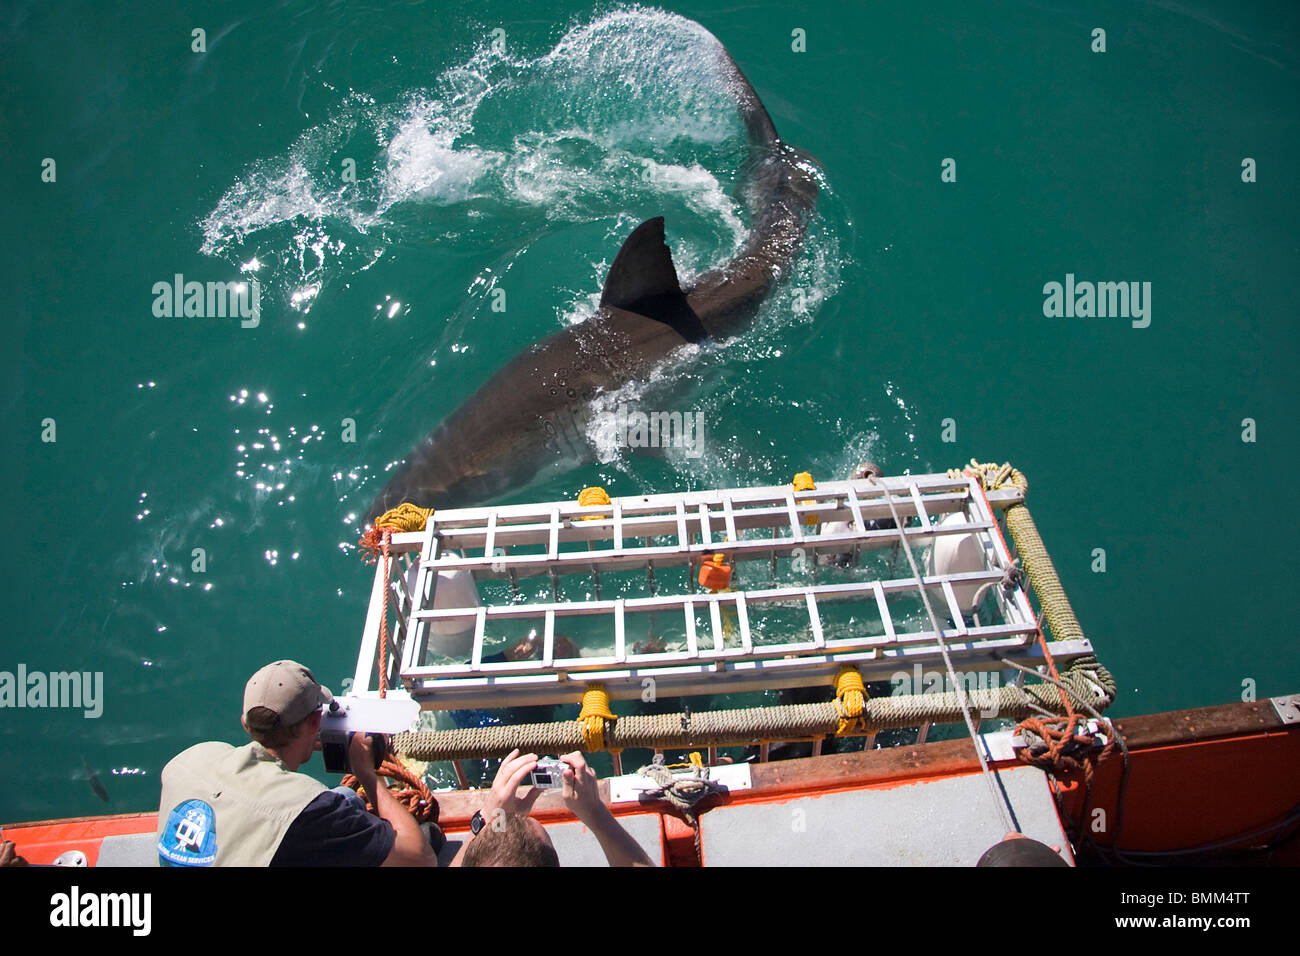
(415, 796)
(371, 543)
(383, 622)
(1055, 760)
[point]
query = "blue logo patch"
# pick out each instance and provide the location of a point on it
(190, 836)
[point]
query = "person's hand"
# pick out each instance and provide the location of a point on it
(531, 647)
(581, 790)
(362, 756)
(582, 797)
(9, 855)
(504, 795)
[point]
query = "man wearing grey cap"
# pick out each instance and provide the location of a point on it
(247, 806)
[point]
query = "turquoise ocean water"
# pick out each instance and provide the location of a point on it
(516, 162)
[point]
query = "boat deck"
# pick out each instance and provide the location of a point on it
(1224, 774)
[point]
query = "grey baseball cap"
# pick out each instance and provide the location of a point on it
(288, 689)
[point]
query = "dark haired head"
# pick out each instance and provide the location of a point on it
(511, 841)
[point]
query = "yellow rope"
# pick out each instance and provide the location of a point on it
(850, 701)
(405, 517)
(729, 626)
(694, 761)
(595, 711)
(804, 482)
(594, 495)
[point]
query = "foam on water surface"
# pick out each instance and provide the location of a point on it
(627, 110)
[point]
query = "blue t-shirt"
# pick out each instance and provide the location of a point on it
(335, 831)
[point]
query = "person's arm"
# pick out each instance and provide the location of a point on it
(9, 855)
(503, 797)
(411, 847)
(582, 797)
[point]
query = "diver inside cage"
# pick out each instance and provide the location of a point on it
(454, 638)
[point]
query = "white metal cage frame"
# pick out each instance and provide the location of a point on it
(566, 541)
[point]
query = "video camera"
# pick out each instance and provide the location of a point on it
(345, 716)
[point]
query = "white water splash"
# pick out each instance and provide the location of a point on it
(621, 111)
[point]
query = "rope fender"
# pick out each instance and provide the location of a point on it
(1086, 679)
(1033, 553)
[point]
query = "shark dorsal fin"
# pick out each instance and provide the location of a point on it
(643, 269)
(642, 280)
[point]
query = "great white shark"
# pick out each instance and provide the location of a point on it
(533, 413)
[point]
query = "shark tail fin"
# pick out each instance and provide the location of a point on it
(753, 113)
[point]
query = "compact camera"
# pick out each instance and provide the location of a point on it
(549, 774)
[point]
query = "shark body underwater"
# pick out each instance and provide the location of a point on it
(532, 414)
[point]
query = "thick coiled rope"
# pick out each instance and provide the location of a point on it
(682, 792)
(1061, 621)
(414, 795)
(405, 517)
(1064, 748)
(1086, 679)
(595, 495)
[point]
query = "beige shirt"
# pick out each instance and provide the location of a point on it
(228, 806)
